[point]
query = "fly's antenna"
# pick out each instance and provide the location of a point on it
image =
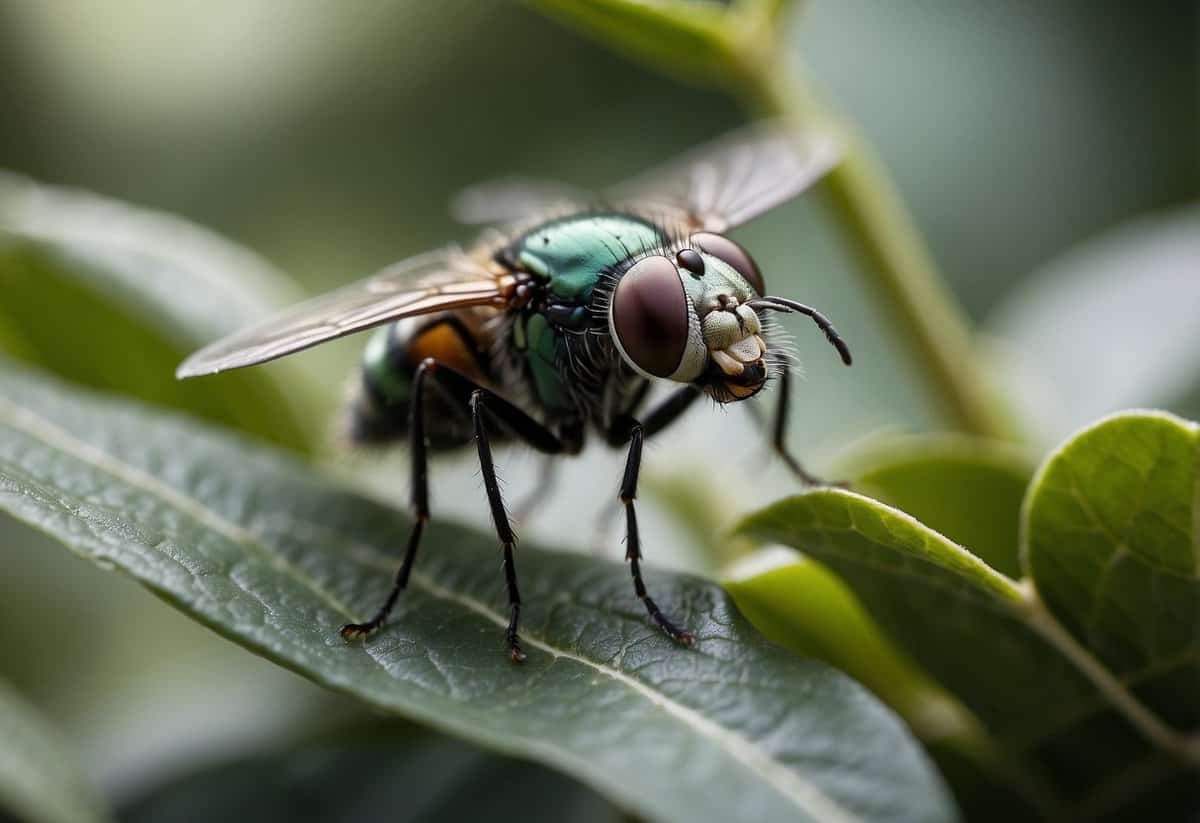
(782, 304)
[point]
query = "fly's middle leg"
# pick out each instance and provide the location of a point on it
(482, 404)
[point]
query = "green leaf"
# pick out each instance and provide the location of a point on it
(1109, 325)
(276, 558)
(967, 488)
(37, 781)
(115, 297)
(1112, 543)
(425, 778)
(1051, 707)
(803, 607)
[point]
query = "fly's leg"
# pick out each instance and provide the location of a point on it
(420, 504)
(500, 520)
(779, 434)
(633, 547)
(532, 432)
(461, 389)
(629, 430)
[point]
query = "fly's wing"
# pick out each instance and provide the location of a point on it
(443, 279)
(515, 199)
(734, 179)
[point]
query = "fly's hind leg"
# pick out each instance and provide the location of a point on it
(420, 504)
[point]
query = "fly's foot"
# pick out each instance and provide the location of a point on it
(514, 648)
(353, 631)
(683, 638)
(510, 634)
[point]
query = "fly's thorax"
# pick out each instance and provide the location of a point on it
(552, 335)
(572, 253)
(542, 346)
(684, 316)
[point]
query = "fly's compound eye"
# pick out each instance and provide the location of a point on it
(739, 259)
(649, 316)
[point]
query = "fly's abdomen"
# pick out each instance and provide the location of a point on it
(382, 407)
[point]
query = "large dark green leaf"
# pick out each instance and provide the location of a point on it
(1085, 743)
(276, 558)
(38, 783)
(420, 778)
(114, 297)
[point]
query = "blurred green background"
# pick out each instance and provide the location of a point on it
(329, 138)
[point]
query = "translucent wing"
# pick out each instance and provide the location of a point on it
(734, 179)
(515, 199)
(443, 279)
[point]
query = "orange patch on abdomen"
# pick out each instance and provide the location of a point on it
(444, 343)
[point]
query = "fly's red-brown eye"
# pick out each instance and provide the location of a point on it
(739, 259)
(650, 316)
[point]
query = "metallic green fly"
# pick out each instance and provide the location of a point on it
(558, 320)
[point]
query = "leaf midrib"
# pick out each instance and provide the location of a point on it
(786, 781)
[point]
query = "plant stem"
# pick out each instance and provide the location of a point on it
(897, 265)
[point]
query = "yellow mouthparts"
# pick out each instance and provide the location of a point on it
(734, 359)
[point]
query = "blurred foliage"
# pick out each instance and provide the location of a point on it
(38, 782)
(113, 297)
(1047, 151)
(378, 778)
(1129, 299)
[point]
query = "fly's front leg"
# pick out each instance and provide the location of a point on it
(779, 434)
(627, 429)
(420, 504)
(633, 545)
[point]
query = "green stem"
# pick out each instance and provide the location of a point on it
(897, 265)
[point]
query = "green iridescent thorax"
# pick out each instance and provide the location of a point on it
(573, 251)
(570, 254)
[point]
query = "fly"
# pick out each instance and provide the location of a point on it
(556, 323)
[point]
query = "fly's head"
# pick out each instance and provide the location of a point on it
(695, 316)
